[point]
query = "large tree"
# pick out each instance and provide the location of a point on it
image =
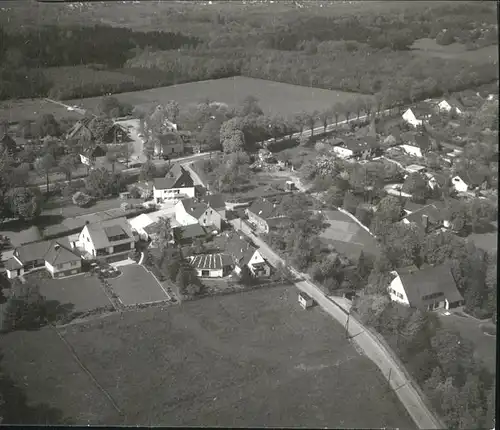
(24, 203)
(47, 126)
(44, 166)
(67, 165)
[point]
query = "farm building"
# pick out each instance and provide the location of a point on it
(305, 300)
(211, 265)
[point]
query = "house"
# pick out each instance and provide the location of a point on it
(244, 254)
(417, 115)
(305, 300)
(108, 240)
(436, 180)
(413, 150)
(139, 225)
(429, 218)
(429, 288)
(177, 184)
(55, 256)
(82, 130)
(361, 149)
(168, 144)
(7, 143)
(186, 234)
(459, 185)
(472, 179)
(216, 202)
(192, 211)
(451, 104)
(211, 265)
(116, 133)
(415, 168)
(264, 214)
(90, 156)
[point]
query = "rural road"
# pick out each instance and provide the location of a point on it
(408, 396)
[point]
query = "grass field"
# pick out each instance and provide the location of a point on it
(486, 241)
(346, 236)
(253, 359)
(135, 286)
(455, 51)
(76, 294)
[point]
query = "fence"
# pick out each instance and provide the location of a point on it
(350, 215)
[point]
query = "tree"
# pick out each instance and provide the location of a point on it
(172, 110)
(163, 233)
(358, 105)
(67, 166)
(234, 143)
(126, 151)
(148, 171)
(25, 308)
(100, 183)
(110, 107)
(311, 121)
(338, 109)
(47, 126)
(300, 121)
(325, 117)
(182, 280)
(416, 185)
(24, 203)
(334, 197)
(44, 166)
(250, 106)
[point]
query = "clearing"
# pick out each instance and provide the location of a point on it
(253, 359)
(137, 286)
(456, 51)
(346, 236)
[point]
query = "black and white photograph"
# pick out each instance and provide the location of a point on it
(249, 213)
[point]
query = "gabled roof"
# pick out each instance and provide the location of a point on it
(163, 183)
(189, 232)
(215, 201)
(59, 254)
(432, 211)
(428, 280)
(98, 233)
(194, 207)
(32, 251)
(176, 177)
(423, 141)
(454, 103)
(239, 249)
(54, 251)
(472, 178)
(209, 261)
(263, 208)
(422, 109)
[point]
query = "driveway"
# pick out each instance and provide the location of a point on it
(408, 396)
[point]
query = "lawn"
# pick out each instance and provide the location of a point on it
(74, 294)
(346, 236)
(469, 328)
(486, 241)
(456, 51)
(137, 286)
(253, 359)
(32, 109)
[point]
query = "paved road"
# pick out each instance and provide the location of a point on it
(408, 396)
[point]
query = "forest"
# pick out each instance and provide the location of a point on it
(360, 53)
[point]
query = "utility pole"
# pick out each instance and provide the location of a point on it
(347, 326)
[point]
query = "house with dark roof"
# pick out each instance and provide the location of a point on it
(428, 218)
(177, 184)
(7, 143)
(245, 255)
(216, 202)
(193, 211)
(264, 215)
(186, 234)
(361, 148)
(90, 155)
(116, 134)
(469, 180)
(449, 105)
(55, 256)
(427, 288)
(168, 144)
(107, 241)
(211, 265)
(418, 114)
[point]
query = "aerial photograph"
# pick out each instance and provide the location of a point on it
(249, 213)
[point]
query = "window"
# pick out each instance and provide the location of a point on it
(74, 263)
(88, 240)
(205, 273)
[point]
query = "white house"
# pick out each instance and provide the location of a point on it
(54, 256)
(244, 254)
(342, 152)
(429, 288)
(417, 115)
(412, 150)
(139, 224)
(459, 185)
(192, 211)
(109, 241)
(211, 265)
(449, 105)
(177, 184)
(415, 168)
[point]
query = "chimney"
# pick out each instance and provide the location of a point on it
(425, 221)
(57, 246)
(87, 222)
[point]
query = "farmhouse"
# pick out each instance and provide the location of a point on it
(192, 211)
(426, 289)
(417, 115)
(91, 155)
(428, 218)
(264, 215)
(245, 255)
(54, 256)
(211, 265)
(107, 241)
(177, 184)
(168, 144)
(452, 104)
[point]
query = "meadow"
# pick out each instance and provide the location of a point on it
(252, 359)
(455, 51)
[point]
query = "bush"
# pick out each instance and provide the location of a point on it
(445, 37)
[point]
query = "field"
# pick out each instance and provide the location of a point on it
(253, 359)
(136, 286)
(455, 51)
(486, 241)
(346, 236)
(32, 109)
(74, 294)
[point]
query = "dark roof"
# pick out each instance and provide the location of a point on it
(263, 208)
(278, 221)
(13, 264)
(55, 252)
(33, 251)
(215, 201)
(189, 231)
(176, 177)
(408, 137)
(240, 249)
(433, 212)
(472, 178)
(422, 109)
(8, 143)
(98, 234)
(194, 207)
(94, 151)
(209, 261)
(423, 141)
(59, 254)
(113, 230)
(428, 280)
(163, 183)
(169, 138)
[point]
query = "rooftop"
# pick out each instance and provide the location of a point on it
(209, 261)
(194, 207)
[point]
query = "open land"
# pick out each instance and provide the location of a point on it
(136, 286)
(346, 236)
(486, 241)
(225, 361)
(455, 51)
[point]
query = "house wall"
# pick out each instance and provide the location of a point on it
(173, 193)
(66, 269)
(258, 259)
(86, 241)
(213, 273)
(11, 274)
(182, 217)
(412, 150)
(397, 291)
(342, 152)
(211, 217)
(171, 149)
(459, 184)
(410, 118)
(258, 221)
